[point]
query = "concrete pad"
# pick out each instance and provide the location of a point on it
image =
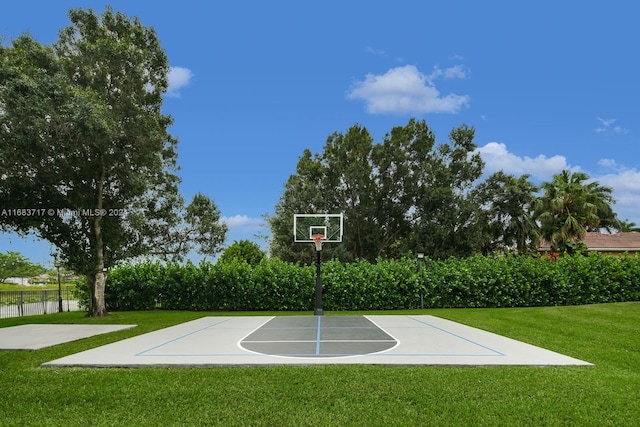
(401, 340)
(35, 337)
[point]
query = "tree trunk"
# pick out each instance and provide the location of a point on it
(97, 306)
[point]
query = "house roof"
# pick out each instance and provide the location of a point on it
(602, 242)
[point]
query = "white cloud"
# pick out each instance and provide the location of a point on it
(497, 157)
(626, 191)
(608, 163)
(618, 129)
(455, 72)
(407, 90)
(606, 126)
(606, 122)
(243, 221)
(373, 51)
(179, 77)
(624, 180)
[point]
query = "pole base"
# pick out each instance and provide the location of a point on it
(318, 312)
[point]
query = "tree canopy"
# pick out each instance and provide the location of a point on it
(13, 264)
(508, 204)
(243, 250)
(404, 194)
(85, 144)
(570, 206)
(411, 194)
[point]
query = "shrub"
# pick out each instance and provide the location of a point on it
(272, 284)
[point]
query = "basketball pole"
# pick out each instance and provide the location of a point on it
(318, 310)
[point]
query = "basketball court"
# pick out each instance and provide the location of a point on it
(312, 340)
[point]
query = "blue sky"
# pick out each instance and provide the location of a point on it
(547, 85)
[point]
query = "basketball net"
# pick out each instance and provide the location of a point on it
(318, 238)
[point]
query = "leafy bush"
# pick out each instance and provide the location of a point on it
(272, 284)
(80, 292)
(244, 250)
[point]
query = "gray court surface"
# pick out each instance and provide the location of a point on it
(311, 340)
(35, 337)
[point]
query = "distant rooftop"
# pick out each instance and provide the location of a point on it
(602, 242)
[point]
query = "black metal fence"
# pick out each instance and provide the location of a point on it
(28, 303)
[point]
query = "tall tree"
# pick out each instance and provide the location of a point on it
(508, 203)
(366, 182)
(349, 185)
(399, 161)
(406, 193)
(171, 230)
(570, 206)
(447, 218)
(85, 142)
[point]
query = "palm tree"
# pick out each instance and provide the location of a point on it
(570, 207)
(521, 226)
(627, 226)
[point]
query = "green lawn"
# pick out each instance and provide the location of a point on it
(607, 394)
(14, 287)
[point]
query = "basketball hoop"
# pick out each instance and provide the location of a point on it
(318, 228)
(317, 239)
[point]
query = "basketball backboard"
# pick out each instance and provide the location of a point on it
(305, 226)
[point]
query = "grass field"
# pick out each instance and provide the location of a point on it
(14, 287)
(605, 395)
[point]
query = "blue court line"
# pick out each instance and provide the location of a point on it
(329, 355)
(142, 353)
(457, 336)
(318, 335)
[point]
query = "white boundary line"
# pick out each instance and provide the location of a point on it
(239, 343)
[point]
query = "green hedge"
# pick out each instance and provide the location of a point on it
(510, 281)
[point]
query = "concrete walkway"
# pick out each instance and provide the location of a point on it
(311, 340)
(35, 337)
